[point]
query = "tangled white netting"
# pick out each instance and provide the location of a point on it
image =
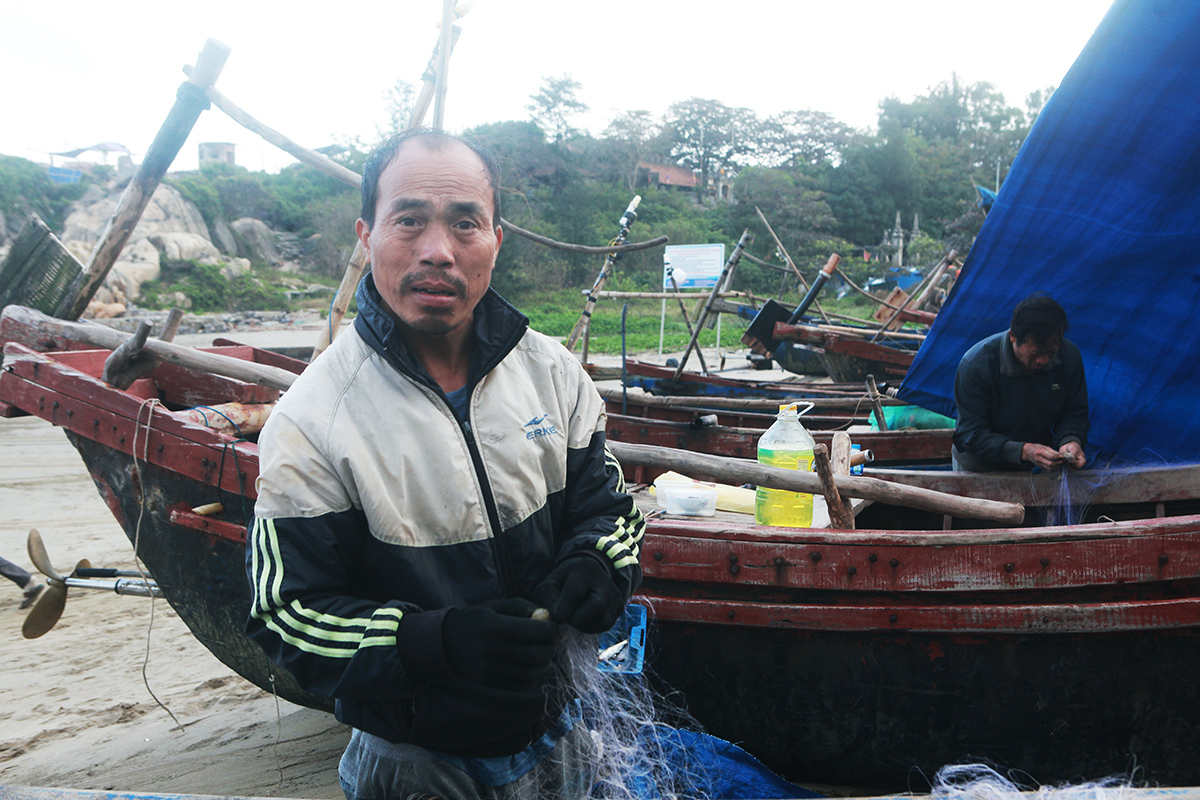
(982, 782)
(633, 728)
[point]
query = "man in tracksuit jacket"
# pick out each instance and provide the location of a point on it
(429, 482)
(1022, 395)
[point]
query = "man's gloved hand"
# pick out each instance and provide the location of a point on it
(580, 592)
(498, 644)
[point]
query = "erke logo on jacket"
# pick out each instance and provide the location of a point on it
(537, 428)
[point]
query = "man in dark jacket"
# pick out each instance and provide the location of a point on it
(1022, 396)
(435, 500)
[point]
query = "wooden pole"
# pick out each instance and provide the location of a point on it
(439, 100)
(841, 454)
(190, 102)
(839, 515)
(934, 278)
(310, 157)
(788, 259)
(109, 339)
(686, 320)
(874, 396)
(429, 81)
(738, 471)
(341, 300)
(848, 402)
(730, 264)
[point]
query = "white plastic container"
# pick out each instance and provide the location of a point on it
(686, 498)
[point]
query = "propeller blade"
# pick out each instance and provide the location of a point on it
(46, 611)
(39, 556)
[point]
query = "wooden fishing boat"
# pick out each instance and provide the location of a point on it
(699, 410)
(849, 358)
(660, 380)
(841, 656)
(909, 447)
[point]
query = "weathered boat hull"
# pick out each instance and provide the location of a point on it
(909, 447)
(858, 657)
(887, 711)
(199, 563)
(661, 380)
(834, 656)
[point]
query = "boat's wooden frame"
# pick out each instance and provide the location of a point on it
(837, 656)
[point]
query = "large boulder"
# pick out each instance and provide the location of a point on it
(223, 237)
(167, 212)
(179, 246)
(259, 240)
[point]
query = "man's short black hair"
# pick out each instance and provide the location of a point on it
(382, 155)
(1040, 318)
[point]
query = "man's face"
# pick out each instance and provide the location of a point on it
(434, 242)
(1034, 357)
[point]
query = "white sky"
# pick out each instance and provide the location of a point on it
(76, 73)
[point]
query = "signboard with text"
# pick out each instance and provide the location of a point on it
(696, 266)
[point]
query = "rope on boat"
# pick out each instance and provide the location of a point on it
(149, 404)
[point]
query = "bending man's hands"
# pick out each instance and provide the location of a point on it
(498, 644)
(1041, 455)
(580, 592)
(1072, 453)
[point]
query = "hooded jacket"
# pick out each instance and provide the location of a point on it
(378, 511)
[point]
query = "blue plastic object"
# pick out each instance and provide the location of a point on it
(630, 633)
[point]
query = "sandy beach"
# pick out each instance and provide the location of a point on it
(76, 706)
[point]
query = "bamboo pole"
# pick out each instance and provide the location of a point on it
(686, 320)
(788, 259)
(875, 398)
(726, 272)
(770, 404)
(190, 102)
(443, 77)
(667, 295)
(341, 299)
(738, 471)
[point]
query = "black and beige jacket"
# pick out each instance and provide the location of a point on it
(378, 511)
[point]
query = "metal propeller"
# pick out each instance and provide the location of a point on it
(49, 606)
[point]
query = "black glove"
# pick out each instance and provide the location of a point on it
(498, 644)
(581, 592)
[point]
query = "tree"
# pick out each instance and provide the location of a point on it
(708, 135)
(634, 136)
(398, 103)
(794, 138)
(554, 105)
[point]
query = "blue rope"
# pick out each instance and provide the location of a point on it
(240, 435)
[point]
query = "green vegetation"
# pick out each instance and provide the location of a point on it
(824, 187)
(25, 188)
(209, 290)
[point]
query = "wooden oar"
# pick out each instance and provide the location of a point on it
(739, 471)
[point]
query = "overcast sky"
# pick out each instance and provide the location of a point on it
(76, 73)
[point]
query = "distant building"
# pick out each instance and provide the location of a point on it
(663, 176)
(216, 153)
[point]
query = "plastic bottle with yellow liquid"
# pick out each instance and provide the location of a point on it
(788, 445)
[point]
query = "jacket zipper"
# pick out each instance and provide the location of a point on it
(503, 558)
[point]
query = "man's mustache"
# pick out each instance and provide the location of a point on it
(410, 281)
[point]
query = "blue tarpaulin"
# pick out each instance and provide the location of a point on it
(1102, 210)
